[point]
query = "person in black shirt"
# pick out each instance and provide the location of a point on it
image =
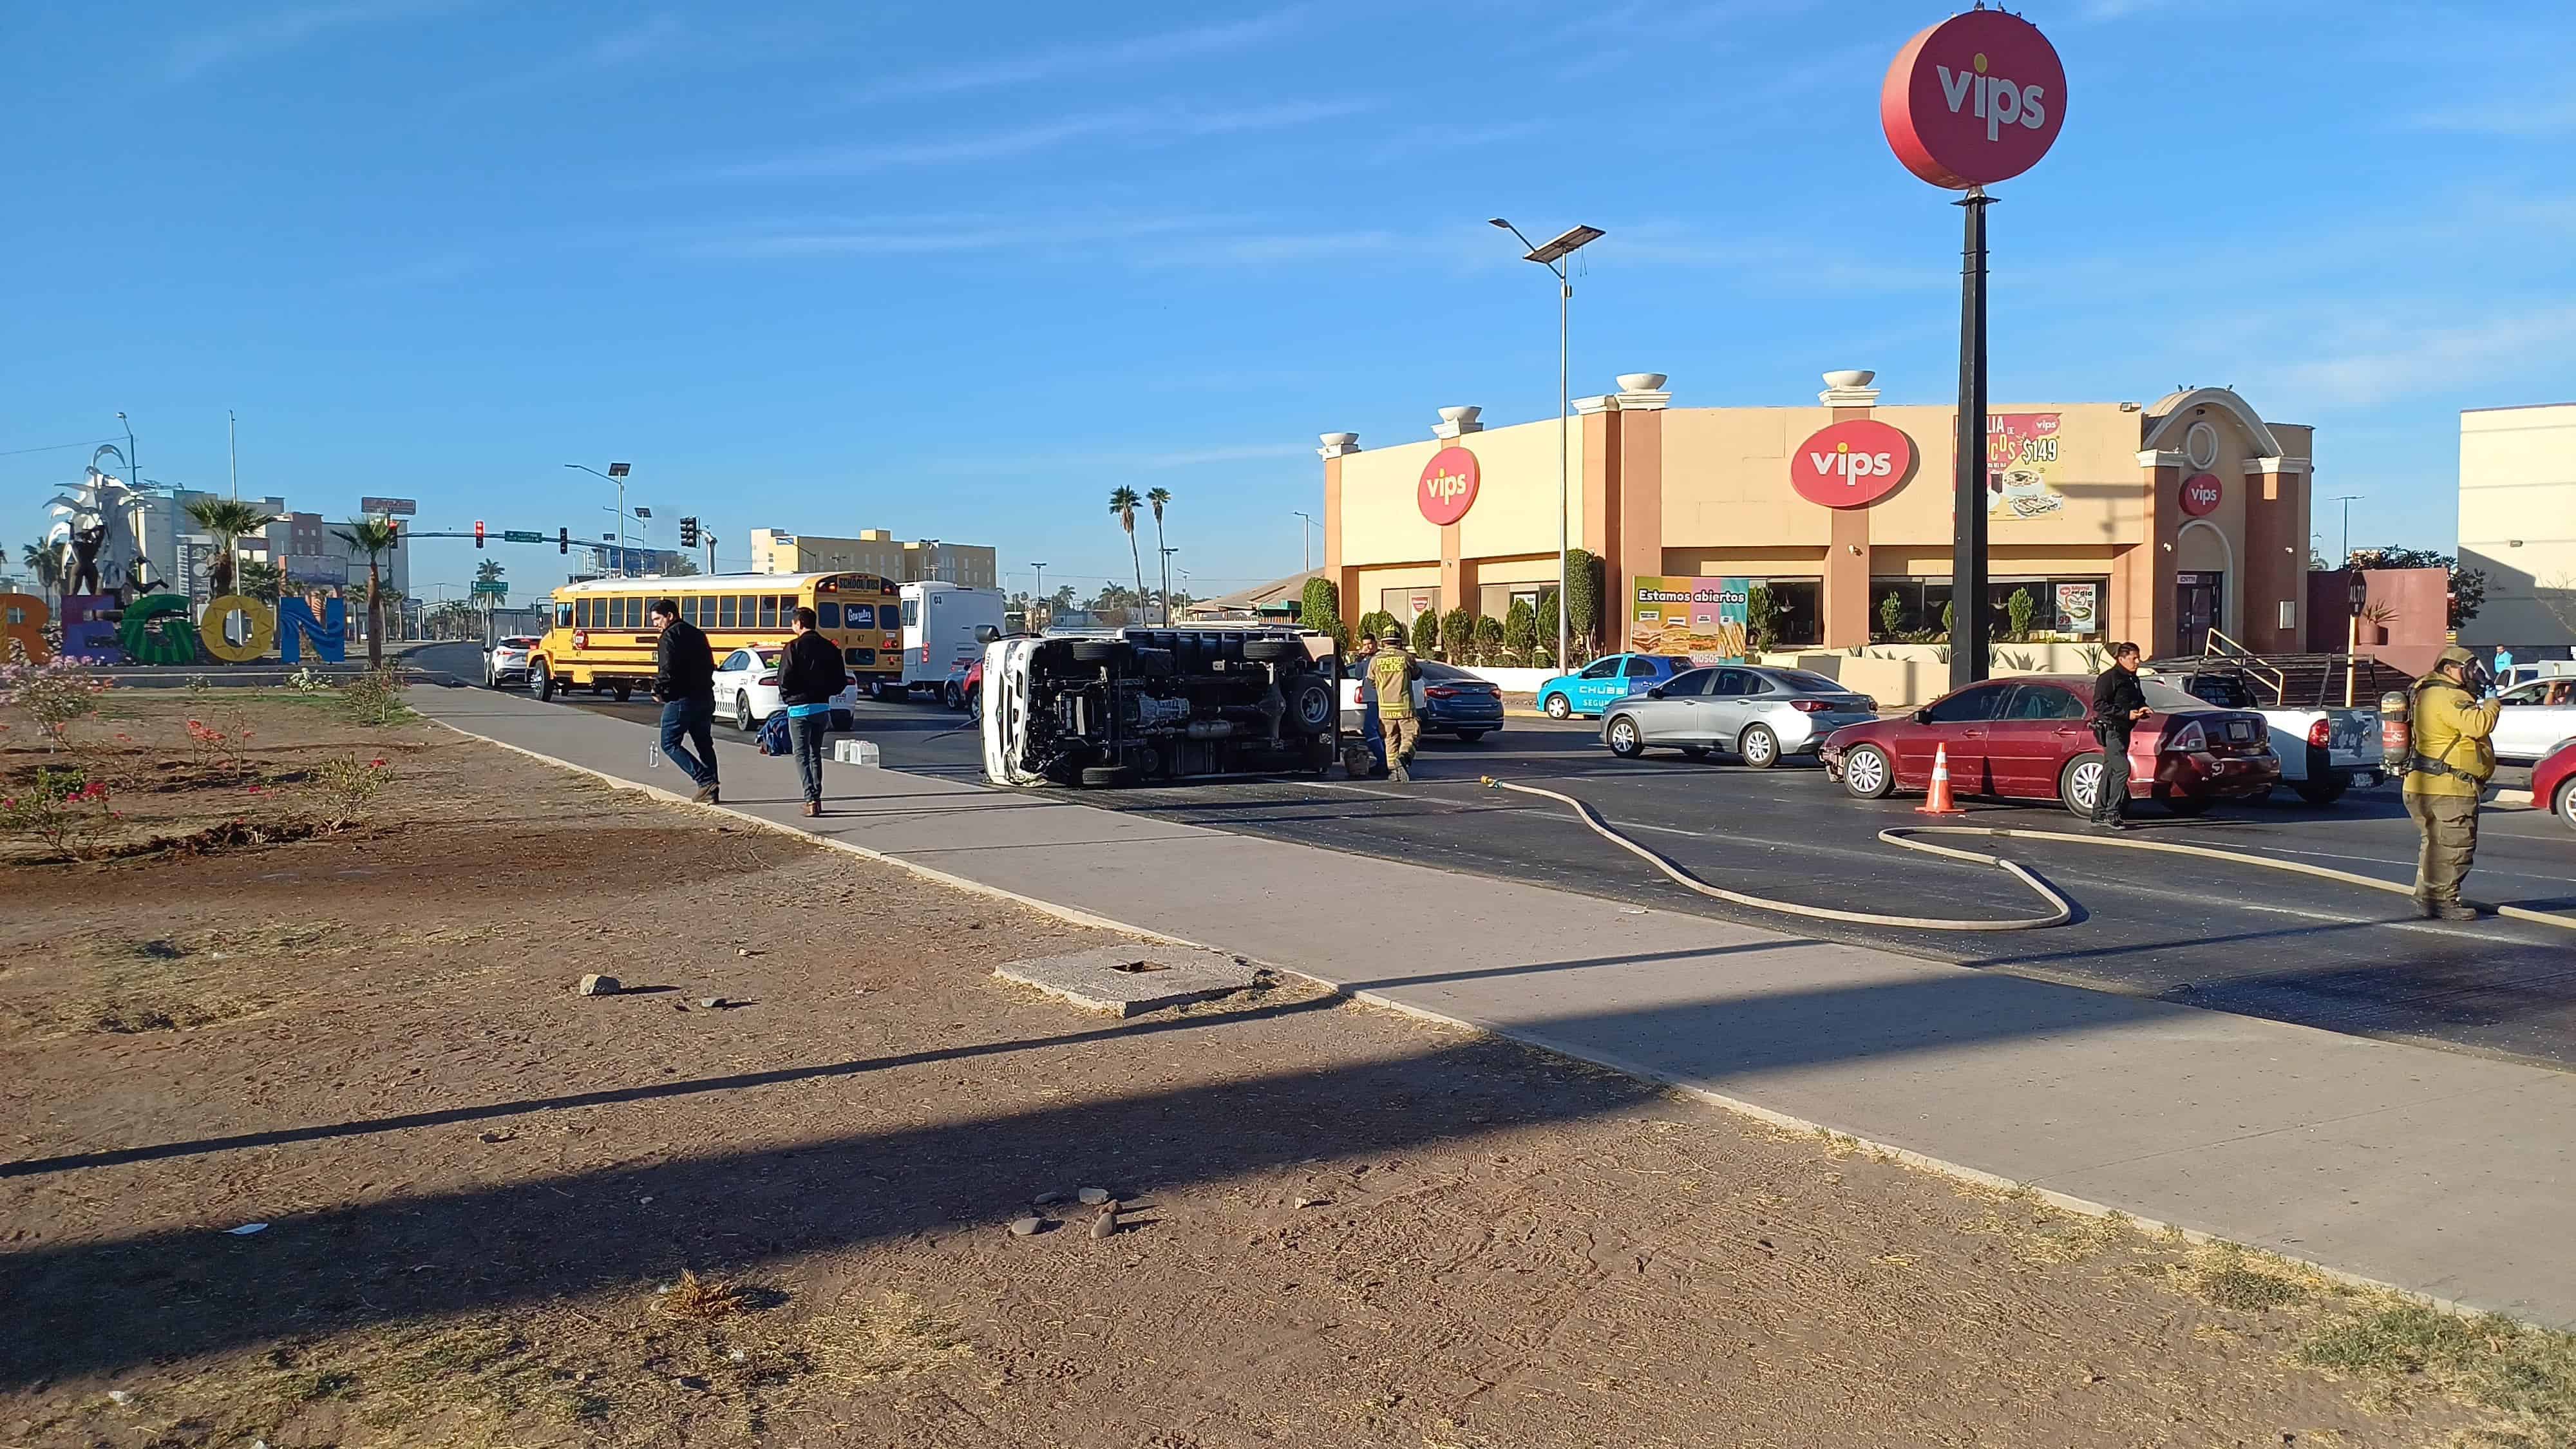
(809, 676)
(2118, 705)
(684, 680)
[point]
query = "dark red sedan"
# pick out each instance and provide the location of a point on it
(2028, 738)
(2553, 783)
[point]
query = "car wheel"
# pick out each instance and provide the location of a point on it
(1625, 739)
(2079, 785)
(1469, 737)
(1758, 747)
(742, 711)
(952, 696)
(2321, 792)
(2567, 803)
(1107, 777)
(1558, 707)
(541, 683)
(1867, 774)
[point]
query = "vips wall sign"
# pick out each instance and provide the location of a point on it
(1448, 487)
(1851, 464)
(1974, 100)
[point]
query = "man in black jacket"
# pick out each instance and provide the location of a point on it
(2118, 705)
(808, 677)
(684, 680)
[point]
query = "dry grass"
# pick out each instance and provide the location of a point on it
(702, 1300)
(892, 1338)
(2524, 1376)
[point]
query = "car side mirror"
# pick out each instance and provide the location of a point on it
(986, 633)
(1923, 716)
(1655, 693)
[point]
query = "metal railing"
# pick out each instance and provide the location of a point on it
(2249, 661)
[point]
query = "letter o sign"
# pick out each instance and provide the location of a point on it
(1448, 486)
(257, 634)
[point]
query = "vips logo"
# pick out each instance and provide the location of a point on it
(1976, 99)
(1448, 487)
(2201, 493)
(1852, 464)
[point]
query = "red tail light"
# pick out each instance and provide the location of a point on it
(925, 654)
(2319, 735)
(1811, 706)
(1439, 691)
(769, 679)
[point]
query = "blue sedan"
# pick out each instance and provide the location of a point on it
(1606, 681)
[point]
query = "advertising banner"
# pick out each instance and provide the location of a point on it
(2022, 466)
(1702, 618)
(2079, 608)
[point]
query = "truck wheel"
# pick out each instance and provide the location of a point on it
(1312, 705)
(625, 692)
(541, 682)
(1273, 651)
(1107, 777)
(1113, 652)
(2321, 792)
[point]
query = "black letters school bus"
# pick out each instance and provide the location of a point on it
(600, 639)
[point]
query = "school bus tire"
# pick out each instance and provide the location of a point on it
(624, 691)
(541, 682)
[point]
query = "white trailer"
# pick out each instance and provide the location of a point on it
(939, 624)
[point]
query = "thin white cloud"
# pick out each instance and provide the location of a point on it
(1133, 123)
(1133, 51)
(1265, 250)
(648, 40)
(276, 31)
(2389, 361)
(2521, 120)
(935, 235)
(1153, 462)
(1448, 139)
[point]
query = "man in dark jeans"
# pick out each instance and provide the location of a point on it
(2118, 705)
(684, 680)
(808, 676)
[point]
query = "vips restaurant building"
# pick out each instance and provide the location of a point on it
(2157, 522)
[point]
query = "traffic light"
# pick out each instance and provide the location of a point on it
(478, 533)
(688, 533)
(563, 540)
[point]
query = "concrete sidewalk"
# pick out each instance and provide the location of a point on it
(2447, 1175)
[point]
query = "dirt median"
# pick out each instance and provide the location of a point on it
(1334, 1225)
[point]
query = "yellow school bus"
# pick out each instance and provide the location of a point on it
(600, 640)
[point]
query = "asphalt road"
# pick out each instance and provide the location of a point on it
(2264, 943)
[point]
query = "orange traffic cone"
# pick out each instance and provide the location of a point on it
(1938, 801)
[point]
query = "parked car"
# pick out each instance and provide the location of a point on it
(953, 692)
(2538, 717)
(506, 662)
(1759, 714)
(1596, 686)
(970, 689)
(2030, 738)
(746, 684)
(2324, 750)
(1447, 699)
(2553, 784)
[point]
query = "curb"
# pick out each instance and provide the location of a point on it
(1960, 1172)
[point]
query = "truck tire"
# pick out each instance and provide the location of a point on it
(1113, 652)
(624, 692)
(1313, 705)
(1107, 777)
(541, 682)
(2322, 791)
(1273, 651)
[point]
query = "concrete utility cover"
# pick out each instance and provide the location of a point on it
(1127, 980)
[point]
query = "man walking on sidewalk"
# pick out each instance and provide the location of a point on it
(808, 677)
(2452, 762)
(1392, 672)
(684, 680)
(2118, 705)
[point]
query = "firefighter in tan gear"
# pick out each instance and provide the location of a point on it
(1391, 673)
(2449, 764)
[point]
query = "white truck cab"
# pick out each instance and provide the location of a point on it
(940, 621)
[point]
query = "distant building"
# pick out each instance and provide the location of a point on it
(874, 551)
(2518, 522)
(1280, 599)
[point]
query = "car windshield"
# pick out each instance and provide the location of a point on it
(768, 658)
(517, 641)
(1803, 679)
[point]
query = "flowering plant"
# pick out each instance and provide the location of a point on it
(53, 694)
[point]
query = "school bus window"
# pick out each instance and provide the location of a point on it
(626, 612)
(563, 615)
(746, 611)
(769, 611)
(581, 613)
(828, 615)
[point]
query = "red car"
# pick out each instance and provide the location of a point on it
(2028, 738)
(2553, 784)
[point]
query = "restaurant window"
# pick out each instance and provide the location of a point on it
(1797, 611)
(1408, 604)
(1495, 601)
(1914, 617)
(2065, 608)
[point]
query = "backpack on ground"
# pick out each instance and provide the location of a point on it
(773, 736)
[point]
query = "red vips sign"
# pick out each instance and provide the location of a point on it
(1974, 100)
(2201, 493)
(1851, 464)
(1448, 486)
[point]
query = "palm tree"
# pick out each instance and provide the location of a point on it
(1158, 497)
(1122, 506)
(376, 537)
(227, 519)
(45, 563)
(262, 580)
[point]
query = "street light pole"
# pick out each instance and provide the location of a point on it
(1168, 551)
(616, 474)
(1305, 543)
(1553, 256)
(2346, 500)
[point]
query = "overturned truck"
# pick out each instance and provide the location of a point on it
(1148, 706)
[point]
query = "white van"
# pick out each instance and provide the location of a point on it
(939, 624)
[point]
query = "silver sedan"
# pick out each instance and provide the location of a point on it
(1760, 714)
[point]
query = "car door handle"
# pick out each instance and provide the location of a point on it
(2072, 730)
(1972, 734)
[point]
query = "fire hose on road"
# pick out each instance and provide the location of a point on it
(2062, 910)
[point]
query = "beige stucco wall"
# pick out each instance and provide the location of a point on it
(1514, 512)
(2518, 482)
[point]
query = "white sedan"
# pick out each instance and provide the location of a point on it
(2538, 717)
(507, 661)
(746, 684)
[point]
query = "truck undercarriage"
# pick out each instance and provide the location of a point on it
(1158, 705)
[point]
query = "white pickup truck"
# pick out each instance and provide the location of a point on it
(2324, 749)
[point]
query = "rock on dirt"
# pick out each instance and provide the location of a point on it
(1093, 1196)
(1046, 1199)
(1023, 1227)
(713, 1003)
(1107, 1223)
(598, 985)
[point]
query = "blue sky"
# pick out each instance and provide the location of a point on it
(959, 270)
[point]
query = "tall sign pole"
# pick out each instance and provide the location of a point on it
(1976, 99)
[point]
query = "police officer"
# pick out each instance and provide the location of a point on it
(2450, 766)
(1391, 673)
(2118, 705)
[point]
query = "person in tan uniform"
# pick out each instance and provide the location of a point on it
(2451, 762)
(1391, 672)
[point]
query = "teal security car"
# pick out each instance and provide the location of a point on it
(1604, 682)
